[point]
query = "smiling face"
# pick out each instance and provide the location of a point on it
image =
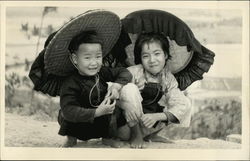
(153, 57)
(88, 58)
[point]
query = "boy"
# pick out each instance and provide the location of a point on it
(86, 101)
(75, 54)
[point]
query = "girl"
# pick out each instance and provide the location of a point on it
(161, 101)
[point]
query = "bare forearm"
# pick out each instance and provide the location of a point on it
(160, 116)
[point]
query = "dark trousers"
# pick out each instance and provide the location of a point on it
(102, 127)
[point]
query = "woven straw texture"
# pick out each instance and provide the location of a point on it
(105, 23)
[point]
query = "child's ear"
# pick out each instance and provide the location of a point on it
(166, 56)
(74, 58)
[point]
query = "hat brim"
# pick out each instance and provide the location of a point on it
(107, 26)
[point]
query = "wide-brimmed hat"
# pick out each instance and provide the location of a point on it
(190, 60)
(107, 26)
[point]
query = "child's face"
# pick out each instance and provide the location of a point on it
(153, 57)
(88, 58)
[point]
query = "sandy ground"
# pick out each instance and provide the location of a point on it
(23, 131)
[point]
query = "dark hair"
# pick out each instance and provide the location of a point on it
(149, 38)
(83, 37)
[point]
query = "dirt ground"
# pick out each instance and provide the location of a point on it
(23, 131)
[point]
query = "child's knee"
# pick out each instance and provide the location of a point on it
(130, 86)
(130, 91)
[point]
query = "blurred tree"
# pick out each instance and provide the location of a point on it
(46, 10)
(35, 31)
(50, 29)
(25, 27)
(49, 9)
(12, 82)
(27, 64)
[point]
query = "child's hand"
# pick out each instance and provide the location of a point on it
(140, 82)
(149, 120)
(131, 115)
(113, 91)
(105, 107)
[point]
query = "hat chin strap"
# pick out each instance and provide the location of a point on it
(70, 58)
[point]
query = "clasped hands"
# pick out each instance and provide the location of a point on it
(148, 120)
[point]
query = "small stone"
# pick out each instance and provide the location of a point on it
(236, 138)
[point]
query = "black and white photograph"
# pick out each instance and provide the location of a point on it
(125, 80)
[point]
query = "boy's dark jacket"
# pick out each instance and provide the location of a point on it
(75, 92)
(76, 117)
